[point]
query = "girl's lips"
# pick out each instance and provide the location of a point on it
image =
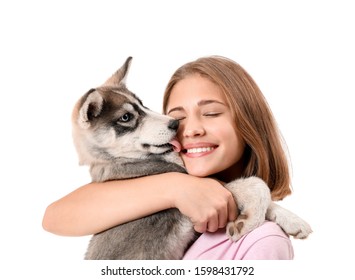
(198, 150)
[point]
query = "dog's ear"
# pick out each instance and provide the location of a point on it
(120, 76)
(91, 108)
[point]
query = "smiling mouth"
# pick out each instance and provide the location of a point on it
(199, 150)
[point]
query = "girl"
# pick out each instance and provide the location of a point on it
(226, 131)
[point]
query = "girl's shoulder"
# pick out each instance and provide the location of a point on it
(268, 228)
(268, 241)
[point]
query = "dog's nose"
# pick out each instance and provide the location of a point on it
(173, 125)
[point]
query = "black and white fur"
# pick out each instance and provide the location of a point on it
(119, 138)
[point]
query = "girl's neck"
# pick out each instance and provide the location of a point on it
(231, 173)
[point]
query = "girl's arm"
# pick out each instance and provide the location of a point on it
(95, 207)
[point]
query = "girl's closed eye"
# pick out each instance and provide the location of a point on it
(212, 114)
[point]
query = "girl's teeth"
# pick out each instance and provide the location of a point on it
(199, 150)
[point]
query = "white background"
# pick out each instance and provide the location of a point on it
(300, 53)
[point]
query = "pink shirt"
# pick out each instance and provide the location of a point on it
(267, 242)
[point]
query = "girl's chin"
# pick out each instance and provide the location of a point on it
(199, 172)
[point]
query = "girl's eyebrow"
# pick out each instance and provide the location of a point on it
(209, 101)
(175, 109)
(200, 103)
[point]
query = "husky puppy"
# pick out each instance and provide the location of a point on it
(118, 138)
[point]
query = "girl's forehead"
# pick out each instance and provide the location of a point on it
(193, 89)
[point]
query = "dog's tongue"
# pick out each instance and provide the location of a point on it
(176, 145)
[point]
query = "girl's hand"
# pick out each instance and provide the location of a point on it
(206, 202)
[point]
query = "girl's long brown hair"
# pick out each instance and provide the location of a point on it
(264, 155)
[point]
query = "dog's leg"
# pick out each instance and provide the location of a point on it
(253, 198)
(288, 221)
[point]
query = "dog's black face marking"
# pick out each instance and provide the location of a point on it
(128, 119)
(138, 109)
(118, 111)
(122, 129)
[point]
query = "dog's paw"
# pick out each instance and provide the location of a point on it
(291, 223)
(303, 230)
(252, 196)
(235, 230)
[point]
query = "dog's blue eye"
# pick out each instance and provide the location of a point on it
(125, 118)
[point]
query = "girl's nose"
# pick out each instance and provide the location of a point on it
(193, 133)
(193, 128)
